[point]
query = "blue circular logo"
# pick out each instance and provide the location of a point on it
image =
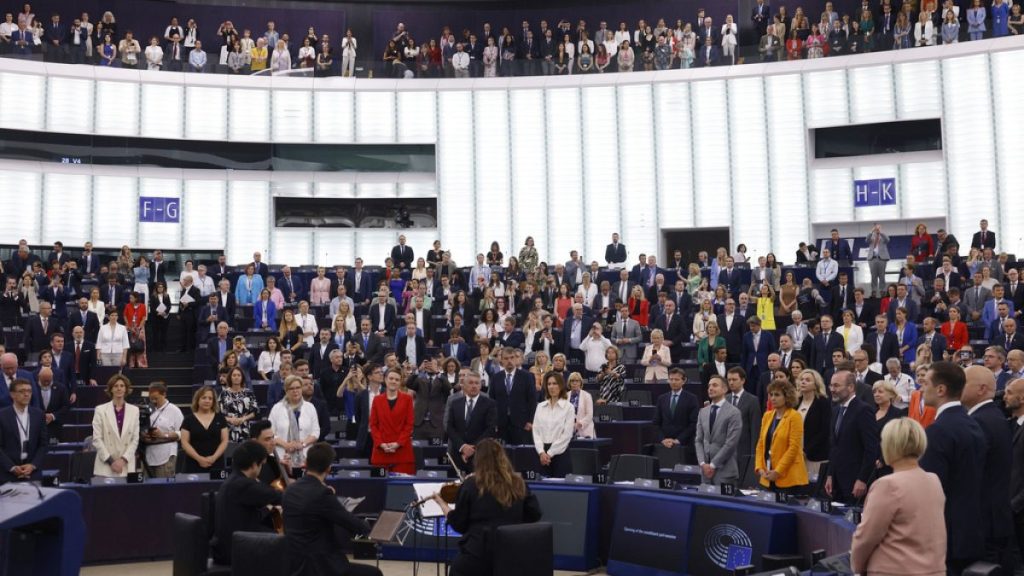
(719, 539)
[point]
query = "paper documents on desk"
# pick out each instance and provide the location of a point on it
(430, 508)
(350, 504)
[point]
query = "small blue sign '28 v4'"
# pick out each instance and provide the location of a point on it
(157, 209)
(879, 192)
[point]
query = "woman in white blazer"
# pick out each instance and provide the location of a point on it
(293, 436)
(553, 425)
(115, 431)
(584, 404)
(657, 358)
(853, 335)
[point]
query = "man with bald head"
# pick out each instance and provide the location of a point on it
(1015, 363)
(1015, 404)
(52, 400)
(977, 396)
(9, 372)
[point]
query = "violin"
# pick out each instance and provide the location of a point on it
(276, 517)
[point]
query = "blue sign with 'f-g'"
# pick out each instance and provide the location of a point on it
(157, 209)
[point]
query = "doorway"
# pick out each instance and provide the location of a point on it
(691, 241)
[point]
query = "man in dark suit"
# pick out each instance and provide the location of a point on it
(1010, 339)
(510, 337)
(615, 253)
(956, 454)
(320, 352)
(932, 337)
(431, 396)
(39, 329)
(575, 328)
(291, 286)
(188, 312)
(52, 400)
(675, 414)
(373, 345)
(402, 255)
(63, 363)
(259, 266)
(983, 238)
(23, 439)
(112, 293)
(733, 326)
(89, 263)
(757, 345)
(751, 410)
(218, 345)
(854, 446)
(730, 278)
(242, 500)
(709, 54)
(382, 315)
(997, 517)
(823, 345)
(85, 318)
(516, 397)
(359, 287)
(760, 15)
(312, 517)
(708, 31)
(882, 342)
(83, 360)
(672, 326)
(472, 418)
(1014, 399)
(209, 315)
(839, 248)
(864, 311)
(842, 295)
(717, 366)
(157, 270)
(418, 348)
(364, 400)
(57, 296)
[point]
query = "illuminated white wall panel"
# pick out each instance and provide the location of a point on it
(712, 169)
(375, 117)
(67, 207)
(70, 105)
(250, 115)
(163, 111)
(291, 245)
(787, 152)
(494, 203)
(22, 101)
(204, 213)
(832, 190)
(871, 94)
(675, 154)
(334, 114)
(913, 101)
(206, 111)
(920, 184)
(373, 246)
(455, 160)
(638, 192)
(334, 246)
(115, 210)
(417, 117)
(601, 200)
(565, 182)
(293, 115)
(117, 108)
(21, 189)
(751, 183)
(529, 168)
(1007, 87)
(248, 221)
(970, 145)
(825, 95)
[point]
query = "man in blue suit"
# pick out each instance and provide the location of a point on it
(291, 286)
(89, 263)
(757, 345)
(675, 416)
(956, 454)
(359, 287)
(997, 517)
(574, 330)
(839, 248)
(730, 278)
(823, 344)
(23, 438)
(709, 54)
(932, 337)
(854, 446)
(516, 396)
(21, 41)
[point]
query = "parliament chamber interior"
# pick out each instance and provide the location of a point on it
(481, 287)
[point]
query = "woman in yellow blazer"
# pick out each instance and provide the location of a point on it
(765, 306)
(115, 430)
(780, 455)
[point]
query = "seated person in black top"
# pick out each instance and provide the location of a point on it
(312, 513)
(494, 495)
(242, 500)
(263, 432)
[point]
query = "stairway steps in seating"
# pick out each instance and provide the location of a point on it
(177, 379)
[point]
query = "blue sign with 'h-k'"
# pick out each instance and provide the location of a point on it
(878, 192)
(157, 209)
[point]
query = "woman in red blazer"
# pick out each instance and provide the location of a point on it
(954, 330)
(391, 418)
(921, 244)
(638, 306)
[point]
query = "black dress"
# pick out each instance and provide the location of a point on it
(204, 441)
(475, 516)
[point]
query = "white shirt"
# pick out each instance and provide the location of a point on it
(112, 340)
(205, 285)
(410, 350)
(827, 270)
(594, 350)
(460, 61)
(308, 324)
(553, 425)
(904, 386)
(942, 408)
(978, 405)
(167, 418)
(269, 361)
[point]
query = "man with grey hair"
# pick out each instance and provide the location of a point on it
(11, 372)
(204, 282)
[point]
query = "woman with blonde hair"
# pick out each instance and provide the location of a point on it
(583, 403)
(656, 358)
(903, 526)
(815, 408)
(541, 365)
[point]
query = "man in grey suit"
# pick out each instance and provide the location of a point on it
(622, 289)
(878, 257)
(975, 298)
(719, 427)
(750, 413)
(626, 335)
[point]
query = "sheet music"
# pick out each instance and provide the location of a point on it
(430, 508)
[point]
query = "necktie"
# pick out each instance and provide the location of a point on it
(839, 418)
(711, 420)
(785, 359)
(508, 383)
(675, 401)
(736, 400)
(78, 352)
(469, 408)
(43, 320)
(1007, 342)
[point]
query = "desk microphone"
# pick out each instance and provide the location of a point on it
(39, 490)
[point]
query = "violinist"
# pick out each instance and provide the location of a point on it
(494, 495)
(275, 472)
(242, 500)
